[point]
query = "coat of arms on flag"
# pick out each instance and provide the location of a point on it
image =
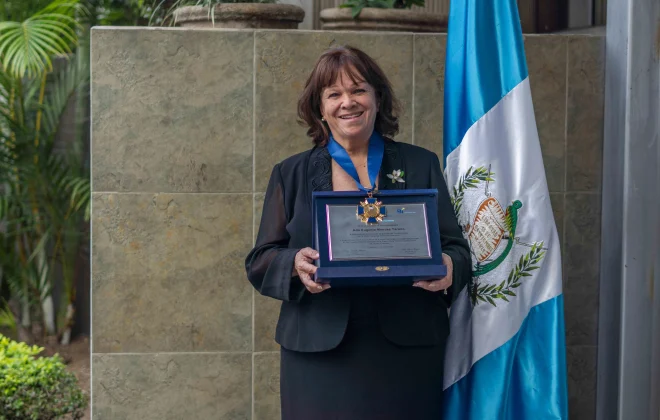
(491, 231)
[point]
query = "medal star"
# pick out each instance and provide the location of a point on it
(371, 211)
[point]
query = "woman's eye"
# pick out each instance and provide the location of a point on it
(333, 95)
(360, 90)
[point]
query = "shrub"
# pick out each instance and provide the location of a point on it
(36, 388)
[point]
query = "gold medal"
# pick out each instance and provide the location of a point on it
(371, 211)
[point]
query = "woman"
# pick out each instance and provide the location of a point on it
(353, 353)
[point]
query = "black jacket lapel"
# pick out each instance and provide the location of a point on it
(319, 170)
(392, 161)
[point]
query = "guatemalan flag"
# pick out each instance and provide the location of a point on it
(505, 357)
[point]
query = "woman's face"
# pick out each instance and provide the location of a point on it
(349, 108)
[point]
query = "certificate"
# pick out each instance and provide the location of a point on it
(391, 238)
(403, 233)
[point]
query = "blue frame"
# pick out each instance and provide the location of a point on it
(367, 272)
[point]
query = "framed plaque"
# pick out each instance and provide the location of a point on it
(391, 238)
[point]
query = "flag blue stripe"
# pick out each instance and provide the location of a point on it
(523, 379)
(485, 61)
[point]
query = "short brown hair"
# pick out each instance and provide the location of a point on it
(326, 71)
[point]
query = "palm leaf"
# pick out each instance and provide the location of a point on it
(41, 246)
(26, 48)
(81, 195)
(74, 77)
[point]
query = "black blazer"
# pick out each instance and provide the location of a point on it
(408, 316)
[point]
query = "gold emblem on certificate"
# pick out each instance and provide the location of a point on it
(371, 211)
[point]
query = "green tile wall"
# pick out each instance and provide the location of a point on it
(186, 126)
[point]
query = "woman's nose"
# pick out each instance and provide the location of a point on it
(347, 101)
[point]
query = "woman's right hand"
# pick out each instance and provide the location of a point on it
(303, 267)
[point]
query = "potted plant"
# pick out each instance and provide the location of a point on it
(242, 14)
(382, 15)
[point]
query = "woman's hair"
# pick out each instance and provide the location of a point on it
(360, 68)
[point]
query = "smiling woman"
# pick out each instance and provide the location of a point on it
(346, 79)
(349, 108)
(353, 353)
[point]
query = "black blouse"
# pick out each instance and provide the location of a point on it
(316, 322)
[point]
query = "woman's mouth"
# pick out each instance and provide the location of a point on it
(351, 116)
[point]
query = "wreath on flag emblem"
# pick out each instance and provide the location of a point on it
(491, 233)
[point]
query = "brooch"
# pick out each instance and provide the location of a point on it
(396, 175)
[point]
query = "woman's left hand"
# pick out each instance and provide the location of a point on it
(441, 284)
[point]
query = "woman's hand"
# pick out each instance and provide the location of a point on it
(304, 268)
(443, 283)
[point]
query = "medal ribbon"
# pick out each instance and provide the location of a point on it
(374, 159)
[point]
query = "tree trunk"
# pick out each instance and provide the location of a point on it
(23, 333)
(66, 335)
(47, 305)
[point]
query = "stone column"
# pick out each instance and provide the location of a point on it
(629, 329)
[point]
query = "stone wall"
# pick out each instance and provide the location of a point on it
(186, 127)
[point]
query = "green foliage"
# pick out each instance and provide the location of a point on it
(19, 11)
(7, 319)
(356, 6)
(46, 187)
(44, 181)
(119, 12)
(34, 387)
(471, 179)
(26, 47)
(489, 293)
